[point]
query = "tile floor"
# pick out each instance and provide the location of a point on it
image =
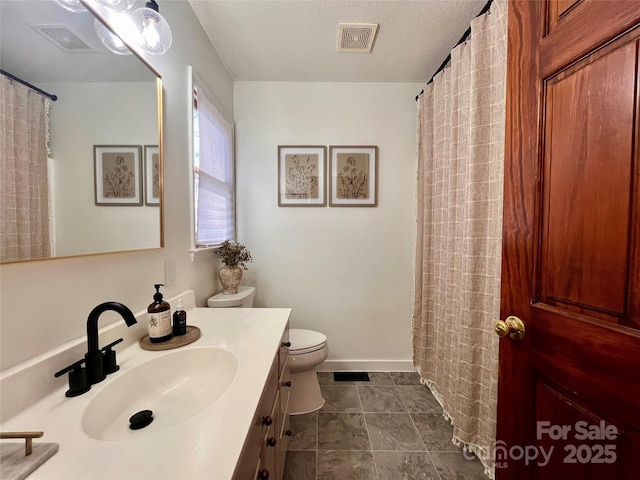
(390, 428)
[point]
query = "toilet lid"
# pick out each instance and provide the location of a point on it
(305, 341)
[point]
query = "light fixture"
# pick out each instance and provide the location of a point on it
(145, 26)
(117, 5)
(110, 39)
(75, 6)
(152, 30)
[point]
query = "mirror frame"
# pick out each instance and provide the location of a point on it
(160, 98)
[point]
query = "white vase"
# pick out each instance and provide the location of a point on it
(230, 276)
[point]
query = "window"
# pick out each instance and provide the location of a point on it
(213, 171)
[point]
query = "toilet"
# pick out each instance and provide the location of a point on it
(308, 350)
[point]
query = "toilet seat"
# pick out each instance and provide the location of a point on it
(305, 341)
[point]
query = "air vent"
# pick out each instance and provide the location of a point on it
(63, 37)
(356, 37)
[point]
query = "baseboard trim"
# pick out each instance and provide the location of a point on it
(366, 366)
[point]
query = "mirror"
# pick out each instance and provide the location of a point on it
(108, 108)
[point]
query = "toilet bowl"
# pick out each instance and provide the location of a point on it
(308, 350)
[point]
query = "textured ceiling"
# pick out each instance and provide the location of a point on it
(295, 40)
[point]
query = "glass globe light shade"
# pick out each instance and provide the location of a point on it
(75, 6)
(118, 5)
(153, 32)
(110, 39)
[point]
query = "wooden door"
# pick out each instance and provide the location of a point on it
(569, 392)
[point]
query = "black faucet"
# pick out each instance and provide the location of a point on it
(93, 357)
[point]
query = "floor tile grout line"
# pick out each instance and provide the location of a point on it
(375, 450)
(366, 425)
(413, 422)
(434, 465)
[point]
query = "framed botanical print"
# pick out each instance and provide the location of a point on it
(151, 175)
(302, 176)
(353, 176)
(118, 174)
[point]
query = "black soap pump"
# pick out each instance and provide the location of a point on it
(159, 318)
(179, 320)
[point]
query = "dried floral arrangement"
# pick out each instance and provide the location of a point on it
(234, 254)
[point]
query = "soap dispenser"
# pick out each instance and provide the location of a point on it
(159, 318)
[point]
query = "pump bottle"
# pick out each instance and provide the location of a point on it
(159, 318)
(179, 320)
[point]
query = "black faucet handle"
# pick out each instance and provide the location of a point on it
(108, 347)
(109, 364)
(77, 379)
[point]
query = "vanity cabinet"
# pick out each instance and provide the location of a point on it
(265, 447)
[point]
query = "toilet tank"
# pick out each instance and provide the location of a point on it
(242, 299)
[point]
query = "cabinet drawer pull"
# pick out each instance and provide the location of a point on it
(288, 433)
(271, 441)
(286, 344)
(286, 384)
(263, 474)
(267, 420)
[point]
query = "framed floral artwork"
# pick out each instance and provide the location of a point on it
(118, 174)
(302, 176)
(353, 176)
(151, 175)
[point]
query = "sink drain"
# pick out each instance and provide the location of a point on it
(141, 419)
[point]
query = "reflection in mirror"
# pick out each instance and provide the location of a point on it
(104, 138)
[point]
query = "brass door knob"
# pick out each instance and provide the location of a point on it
(512, 326)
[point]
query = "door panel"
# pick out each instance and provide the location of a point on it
(558, 10)
(589, 150)
(582, 355)
(571, 243)
(573, 440)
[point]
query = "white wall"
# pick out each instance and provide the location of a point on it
(128, 116)
(44, 304)
(346, 272)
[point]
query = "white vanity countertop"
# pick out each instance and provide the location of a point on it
(207, 445)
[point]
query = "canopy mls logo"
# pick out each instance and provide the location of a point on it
(581, 443)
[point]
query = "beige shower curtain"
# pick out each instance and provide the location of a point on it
(24, 201)
(458, 241)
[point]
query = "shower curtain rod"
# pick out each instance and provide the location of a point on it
(32, 87)
(464, 38)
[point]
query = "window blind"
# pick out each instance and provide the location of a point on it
(213, 173)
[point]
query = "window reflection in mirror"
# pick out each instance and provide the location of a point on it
(103, 100)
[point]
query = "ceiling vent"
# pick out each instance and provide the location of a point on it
(63, 37)
(356, 37)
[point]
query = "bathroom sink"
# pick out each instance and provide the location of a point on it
(175, 386)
